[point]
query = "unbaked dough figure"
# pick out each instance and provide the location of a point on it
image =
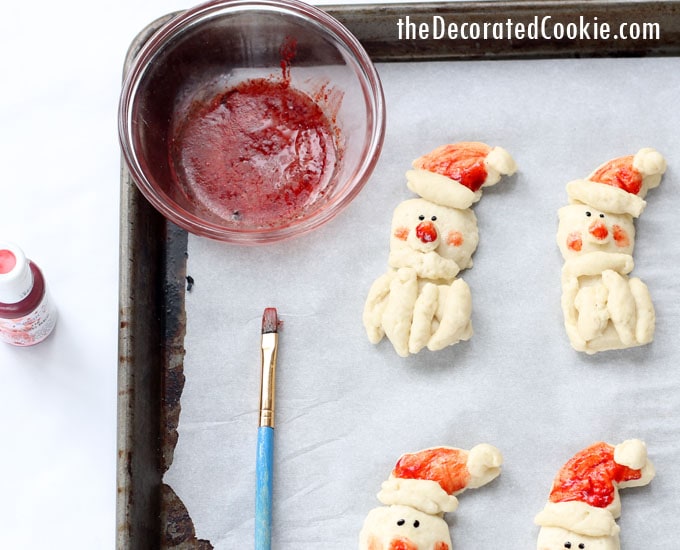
(603, 308)
(584, 502)
(420, 489)
(420, 302)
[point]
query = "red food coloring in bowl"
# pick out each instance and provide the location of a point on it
(257, 156)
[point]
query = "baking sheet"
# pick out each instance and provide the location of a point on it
(346, 410)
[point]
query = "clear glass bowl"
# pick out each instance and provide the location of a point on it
(215, 46)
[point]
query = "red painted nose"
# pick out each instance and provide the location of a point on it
(598, 230)
(402, 544)
(426, 232)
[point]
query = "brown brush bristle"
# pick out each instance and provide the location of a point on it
(270, 320)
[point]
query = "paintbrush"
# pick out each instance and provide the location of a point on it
(265, 432)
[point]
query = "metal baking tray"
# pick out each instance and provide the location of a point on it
(153, 251)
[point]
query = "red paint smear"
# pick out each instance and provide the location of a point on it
(574, 241)
(255, 155)
(448, 467)
(621, 236)
(7, 261)
(455, 238)
(426, 232)
(598, 230)
(463, 162)
(590, 476)
(620, 173)
(401, 233)
(402, 544)
(287, 51)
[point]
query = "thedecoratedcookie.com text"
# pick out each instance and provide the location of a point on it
(539, 28)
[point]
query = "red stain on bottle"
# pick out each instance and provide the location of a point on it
(7, 261)
(27, 315)
(256, 155)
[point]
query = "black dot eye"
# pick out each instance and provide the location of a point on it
(588, 213)
(601, 215)
(434, 218)
(421, 217)
(401, 522)
(582, 545)
(568, 544)
(416, 524)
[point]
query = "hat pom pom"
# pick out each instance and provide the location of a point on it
(632, 453)
(484, 464)
(501, 161)
(651, 164)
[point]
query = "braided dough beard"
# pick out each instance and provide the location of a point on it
(419, 302)
(603, 308)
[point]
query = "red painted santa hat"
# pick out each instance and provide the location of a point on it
(620, 185)
(429, 479)
(584, 498)
(454, 174)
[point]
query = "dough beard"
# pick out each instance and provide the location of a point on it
(419, 302)
(603, 307)
(420, 489)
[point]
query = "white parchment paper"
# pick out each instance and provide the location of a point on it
(346, 410)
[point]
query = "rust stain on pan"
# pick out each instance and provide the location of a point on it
(174, 330)
(150, 370)
(179, 530)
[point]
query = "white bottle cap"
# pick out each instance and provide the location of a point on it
(16, 279)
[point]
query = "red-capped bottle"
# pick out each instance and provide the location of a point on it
(27, 315)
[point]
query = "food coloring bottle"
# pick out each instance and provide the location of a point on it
(27, 316)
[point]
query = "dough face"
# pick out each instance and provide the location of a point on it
(584, 229)
(556, 538)
(387, 526)
(422, 226)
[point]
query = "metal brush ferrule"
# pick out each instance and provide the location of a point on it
(268, 385)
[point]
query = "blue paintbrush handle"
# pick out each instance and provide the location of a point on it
(263, 494)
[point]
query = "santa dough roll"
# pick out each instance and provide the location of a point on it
(420, 302)
(420, 489)
(603, 308)
(584, 502)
